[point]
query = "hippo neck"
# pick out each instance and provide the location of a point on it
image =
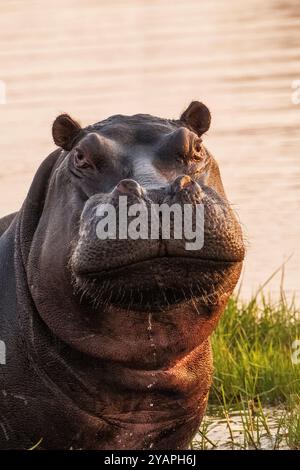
(131, 404)
(145, 408)
(163, 367)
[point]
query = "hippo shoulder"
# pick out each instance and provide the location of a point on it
(6, 221)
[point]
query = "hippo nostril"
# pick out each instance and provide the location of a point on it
(181, 183)
(186, 185)
(129, 186)
(184, 181)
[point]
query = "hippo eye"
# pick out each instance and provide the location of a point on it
(80, 159)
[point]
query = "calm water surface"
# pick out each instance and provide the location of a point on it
(96, 58)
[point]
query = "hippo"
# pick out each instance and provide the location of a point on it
(107, 341)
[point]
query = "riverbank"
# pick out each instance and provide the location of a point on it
(255, 398)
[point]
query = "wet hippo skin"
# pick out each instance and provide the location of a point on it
(107, 341)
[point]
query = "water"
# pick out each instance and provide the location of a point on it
(153, 377)
(239, 432)
(96, 58)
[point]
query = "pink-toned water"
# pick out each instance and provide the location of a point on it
(94, 58)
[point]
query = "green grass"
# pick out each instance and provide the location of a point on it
(256, 386)
(292, 424)
(248, 428)
(252, 353)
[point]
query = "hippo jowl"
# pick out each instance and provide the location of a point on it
(107, 341)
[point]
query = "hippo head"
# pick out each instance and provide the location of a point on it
(143, 303)
(150, 162)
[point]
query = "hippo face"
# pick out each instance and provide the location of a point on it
(151, 161)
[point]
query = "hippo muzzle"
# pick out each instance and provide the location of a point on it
(154, 271)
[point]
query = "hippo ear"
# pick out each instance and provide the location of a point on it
(197, 117)
(64, 131)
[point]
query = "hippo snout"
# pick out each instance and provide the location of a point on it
(185, 237)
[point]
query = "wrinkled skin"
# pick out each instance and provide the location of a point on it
(108, 340)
